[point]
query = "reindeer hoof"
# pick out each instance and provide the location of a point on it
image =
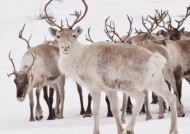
(32, 119)
(87, 115)
(82, 112)
(160, 117)
(60, 117)
(130, 132)
(38, 118)
(181, 115)
(50, 118)
(109, 115)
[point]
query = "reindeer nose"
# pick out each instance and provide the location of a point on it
(20, 94)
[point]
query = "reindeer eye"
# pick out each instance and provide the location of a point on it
(74, 36)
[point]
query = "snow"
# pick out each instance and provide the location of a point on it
(14, 116)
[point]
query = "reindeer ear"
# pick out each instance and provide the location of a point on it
(53, 31)
(78, 30)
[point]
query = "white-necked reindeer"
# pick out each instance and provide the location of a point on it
(112, 67)
(39, 68)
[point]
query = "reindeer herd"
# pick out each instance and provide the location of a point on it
(132, 64)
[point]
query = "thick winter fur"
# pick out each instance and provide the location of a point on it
(109, 67)
(43, 72)
(153, 44)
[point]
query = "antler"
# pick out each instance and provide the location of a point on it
(161, 16)
(50, 20)
(20, 36)
(183, 19)
(138, 31)
(130, 28)
(34, 58)
(88, 37)
(78, 14)
(110, 28)
(157, 19)
(14, 72)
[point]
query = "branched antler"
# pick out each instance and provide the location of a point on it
(51, 20)
(130, 28)
(161, 16)
(88, 37)
(14, 71)
(111, 31)
(78, 16)
(183, 19)
(21, 37)
(107, 31)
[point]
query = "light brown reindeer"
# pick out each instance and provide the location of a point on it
(38, 69)
(48, 99)
(177, 48)
(100, 67)
(168, 73)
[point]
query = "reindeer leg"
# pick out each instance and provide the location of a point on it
(60, 86)
(109, 114)
(82, 111)
(171, 98)
(39, 112)
(114, 107)
(129, 106)
(96, 110)
(148, 115)
(31, 105)
(51, 113)
(154, 98)
(139, 97)
(46, 95)
(88, 112)
(124, 106)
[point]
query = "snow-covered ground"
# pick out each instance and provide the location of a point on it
(14, 116)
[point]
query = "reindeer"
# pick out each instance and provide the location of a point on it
(36, 71)
(100, 67)
(168, 75)
(177, 48)
(175, 33)
(79, 88)
(48, 99)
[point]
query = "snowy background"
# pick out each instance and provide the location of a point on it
(14, 116)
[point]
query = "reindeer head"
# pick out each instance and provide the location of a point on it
(173, 33)
(23, 79)
(66, 37)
